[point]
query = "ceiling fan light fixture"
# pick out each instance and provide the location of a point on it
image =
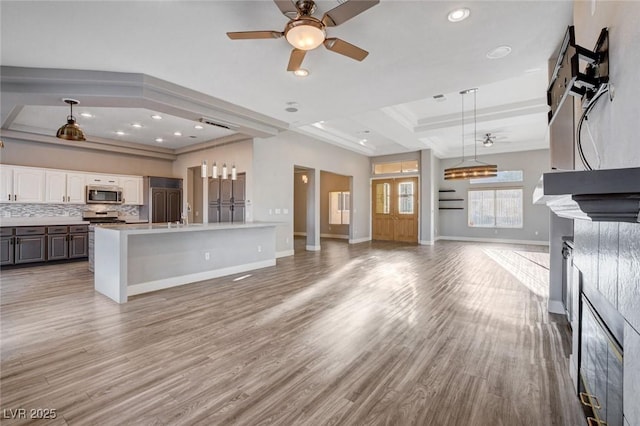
(487, 142)
(305, 34)
(301, 72)
(71, 131)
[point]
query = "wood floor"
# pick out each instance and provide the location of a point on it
(373, 333)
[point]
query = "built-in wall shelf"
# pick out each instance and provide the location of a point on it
(447, 200)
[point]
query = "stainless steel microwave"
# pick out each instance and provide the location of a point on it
(104, 194)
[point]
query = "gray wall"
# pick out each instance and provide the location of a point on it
(453, 223)
(604, 249)
(274, 160)
(46, 155)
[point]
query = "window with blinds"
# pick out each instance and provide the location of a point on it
(496, 208)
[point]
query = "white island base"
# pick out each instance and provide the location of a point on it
(135, 259)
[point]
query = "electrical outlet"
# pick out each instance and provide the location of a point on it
(259, 249)
(285, 211)
(207, 255)
(287, 240)
(270, 211)
(277, 211)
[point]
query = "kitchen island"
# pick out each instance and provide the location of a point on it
(140, 258)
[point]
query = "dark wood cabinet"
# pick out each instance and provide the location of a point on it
(31, 244)
(6, 250)
(227, 199)
(166, 205)
(58, 246)
(78, 245)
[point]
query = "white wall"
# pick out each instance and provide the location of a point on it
(238, 153)
(453, 223)
(614, 124)
(273, 163)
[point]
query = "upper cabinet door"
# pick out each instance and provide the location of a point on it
(28, 185)
(55, 187)
(102, 180)
(131, 189)
(75, 188)
(6, 184)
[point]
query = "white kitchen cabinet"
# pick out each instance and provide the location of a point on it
(6, 184)
(22, 184)
(75, 188)
(131, 189)
(102, 180)
(62, 187)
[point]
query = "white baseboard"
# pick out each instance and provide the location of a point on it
(313, 248)
(494, 240)
(148, 286)
(299, 234)
(339, 236)
(426, 243)
(556, 307)
(284, 253)
(359, 240)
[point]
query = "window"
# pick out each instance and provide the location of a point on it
(339, 208)
(409, 166)
(405, 198)
(495, 208)
(503, 176)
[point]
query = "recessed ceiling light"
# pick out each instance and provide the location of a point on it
(291, 109)
(120, 133)
(86, 114)
(156, 117)
(137, 125)
(458, 15)
(198, 127)
(159, 140)
(301, 72)
(362, 141)
(499, 52)
(177, 134)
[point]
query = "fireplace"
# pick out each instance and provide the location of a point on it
(600, 365)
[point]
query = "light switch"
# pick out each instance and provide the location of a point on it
(285, 211)
(277, 211)
(270, 211)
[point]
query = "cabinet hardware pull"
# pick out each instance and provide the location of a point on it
(15, 197)
(595, 422)
(9, 197)
(63, 200)
(17, 240)
(11, 241)
(595, 404)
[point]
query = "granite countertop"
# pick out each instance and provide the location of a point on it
(42, 221)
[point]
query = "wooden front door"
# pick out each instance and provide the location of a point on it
(395, 209)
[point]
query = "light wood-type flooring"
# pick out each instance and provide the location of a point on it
(365, 334)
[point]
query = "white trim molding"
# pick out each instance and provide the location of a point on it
(313, 248)
(339, 236)
(426, 243)
(359, 240)
(284, 253)
(299, 234)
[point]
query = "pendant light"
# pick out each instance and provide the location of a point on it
(469, 169)
(71, 131)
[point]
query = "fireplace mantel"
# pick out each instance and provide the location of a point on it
(611, 195)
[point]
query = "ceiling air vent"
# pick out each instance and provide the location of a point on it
(218, 123)
(439, 98)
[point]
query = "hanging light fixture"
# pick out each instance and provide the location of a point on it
(469, 169)
(71, 131)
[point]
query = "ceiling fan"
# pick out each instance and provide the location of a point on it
(489, 139)
(304, 32)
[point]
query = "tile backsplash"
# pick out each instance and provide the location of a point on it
(47, 210)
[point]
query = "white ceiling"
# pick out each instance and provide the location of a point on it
(415, 53)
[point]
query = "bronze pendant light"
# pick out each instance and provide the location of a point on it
(71, 131)
(469, 169)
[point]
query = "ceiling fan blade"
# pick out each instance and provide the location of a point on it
(296, 58)
(347, 49)
(346, 11)
(287, 7)
(251, 35)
